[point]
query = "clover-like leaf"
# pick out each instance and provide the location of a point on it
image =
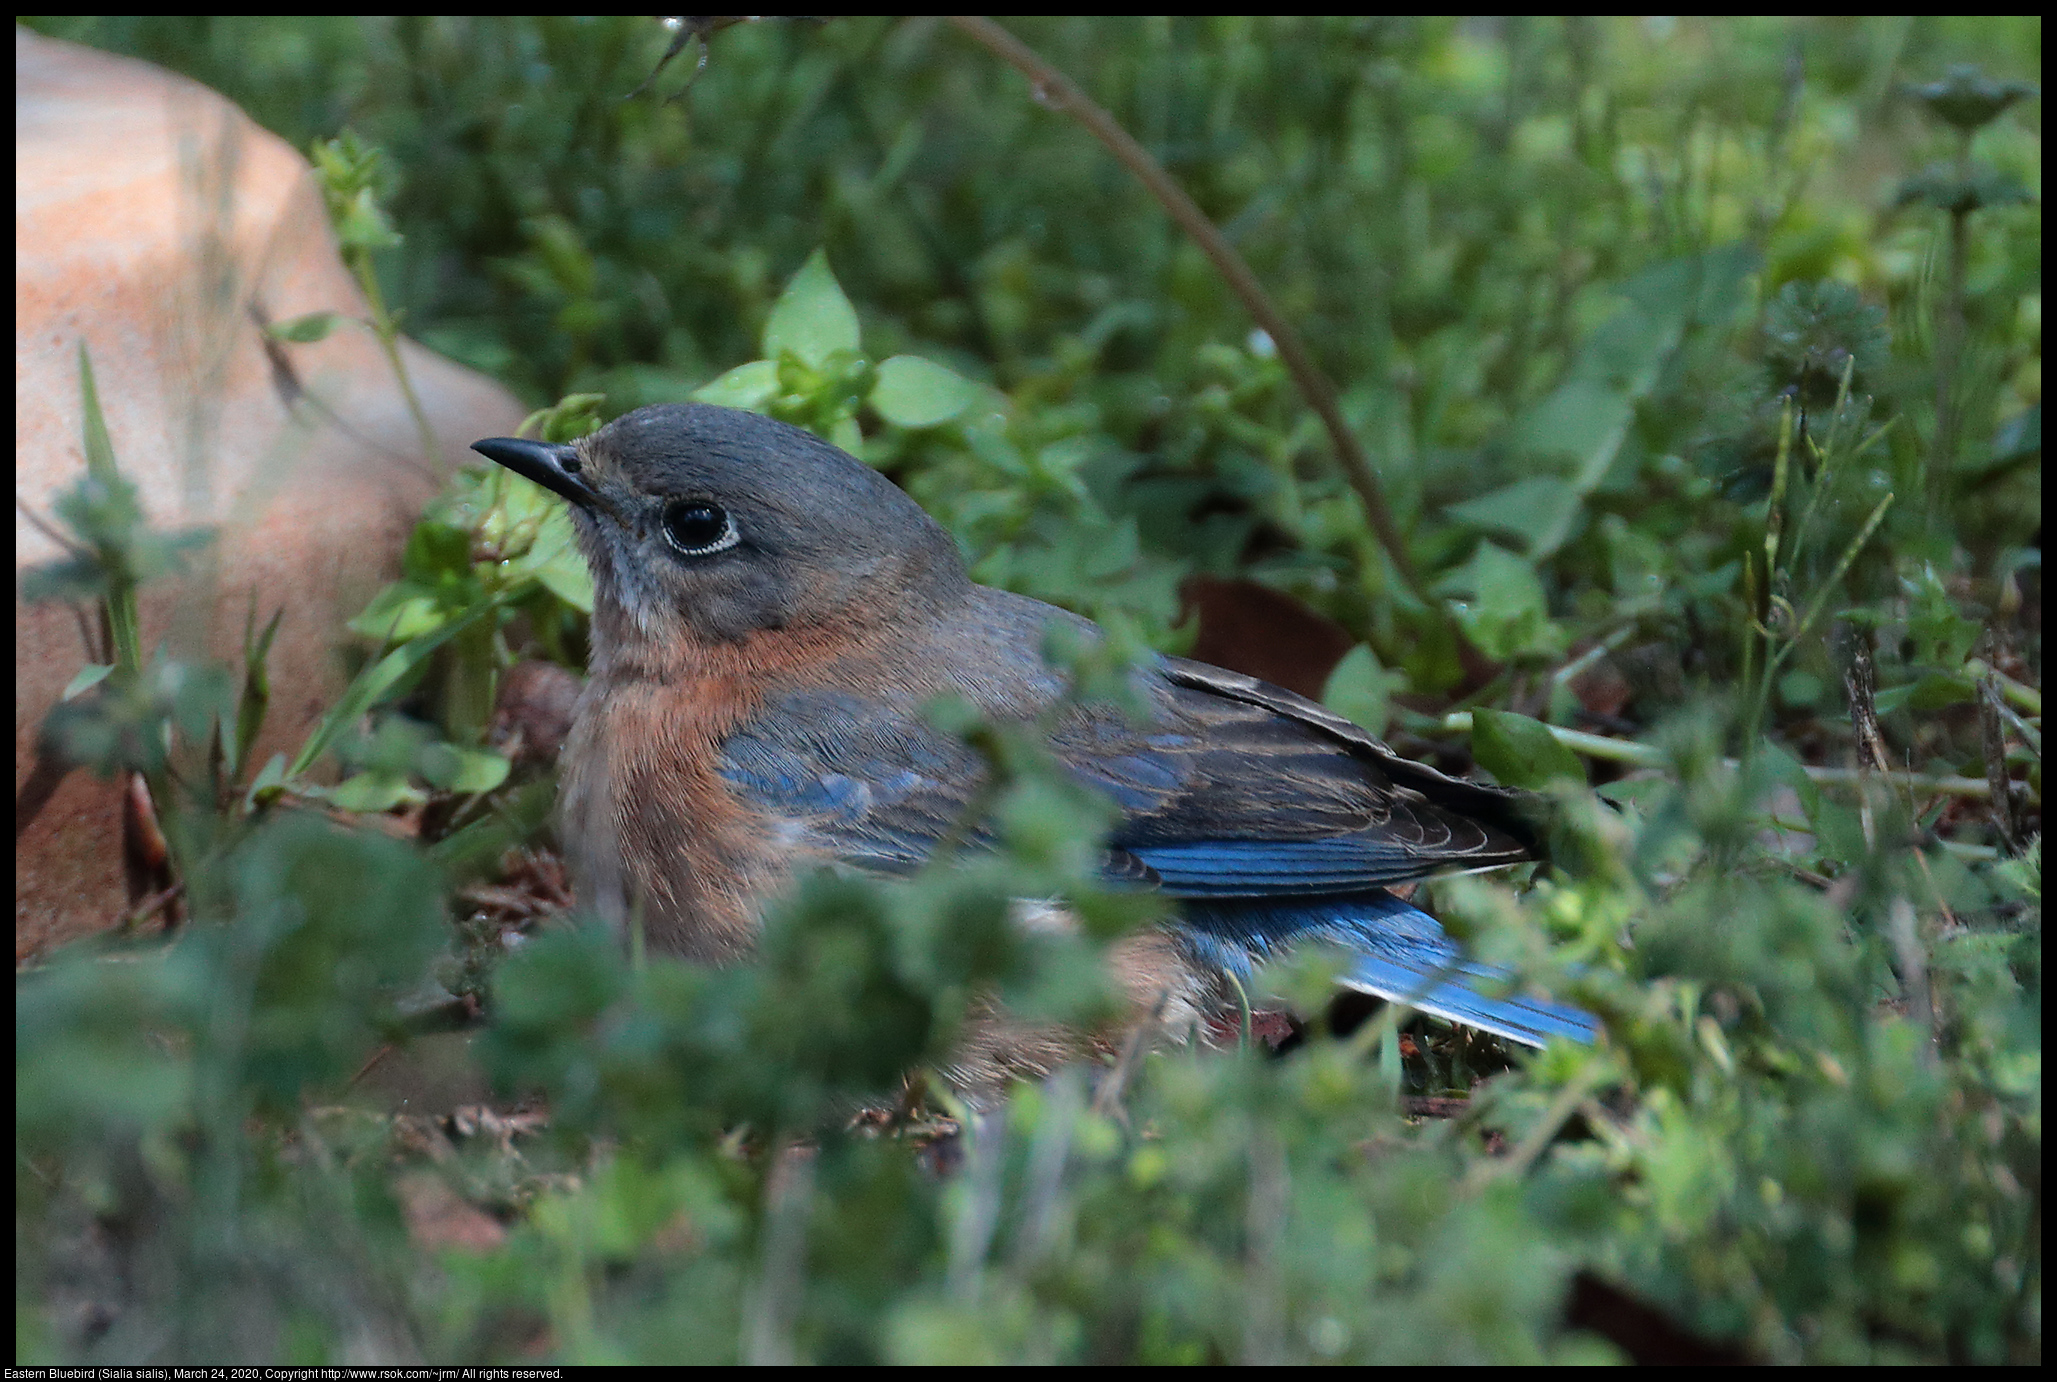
(812, 319)
(1812, 332)
(745, 386)
(1502, 605)
(1360, 690)
(1941, 186)
(1968, 99)
(913, 392)
(462, 770)
(1521, 752)
(372, 792)
(568, 419)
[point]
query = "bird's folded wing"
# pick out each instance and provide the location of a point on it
(849, 778)
(1274, 824)
(1233, 798)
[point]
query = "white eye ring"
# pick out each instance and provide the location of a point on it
(685, 520)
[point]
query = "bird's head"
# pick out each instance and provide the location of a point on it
(704, 526)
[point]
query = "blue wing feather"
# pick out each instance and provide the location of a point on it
(1264, 868)
(1401, 954)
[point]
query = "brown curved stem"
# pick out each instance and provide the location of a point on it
(1058, 91)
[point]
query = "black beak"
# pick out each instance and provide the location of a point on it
(553, 465)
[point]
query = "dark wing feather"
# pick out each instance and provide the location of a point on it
(1242, 789)
(1506, 809)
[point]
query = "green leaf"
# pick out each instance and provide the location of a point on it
(568, 419)
(68, 578)
(567, 577)
(1625, 354)
(1941, 635)
(1360, 690)
(256, 697)
(398, 614)
(1943, 187)
(437, 549)
(913, 392)
(1800, 687)
(462, 770)
(1812, 330)
(551, 554)
(1967, 98)
(2025, 873)
(1540, 509)
(1707, 288)
(1938, 689)
(362, 224)
(99, 447)
(812, 319)
(377, 679)
(517, 817)
(103, 476)
(1521, 752)
(1644, 793)
(1507, 613)
(315, 326)
(198, 694)
(372, 792)
(565, 255)
(745, 386)
(1892, 698)
(1582, 419)
(90, 676)
(269, 782)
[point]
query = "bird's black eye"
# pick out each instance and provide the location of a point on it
(695, 528)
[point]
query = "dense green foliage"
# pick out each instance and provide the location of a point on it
(1703, 354)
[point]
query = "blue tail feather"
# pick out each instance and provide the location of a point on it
(1401, 954)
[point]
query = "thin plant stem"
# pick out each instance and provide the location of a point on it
(388, 331)
(1950, 340)
(1759, 691)
(1649, 756)
(1828, 455)
(1059, 92)
(773, 1304)
(1750, 624)
(2028, 698)
(1512, 1166)
(1835, 577)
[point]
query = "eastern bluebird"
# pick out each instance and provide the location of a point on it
(772, 615)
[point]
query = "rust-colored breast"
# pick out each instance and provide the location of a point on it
(649, 825)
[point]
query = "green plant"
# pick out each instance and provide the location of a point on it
(349, 173)
(175, 725)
